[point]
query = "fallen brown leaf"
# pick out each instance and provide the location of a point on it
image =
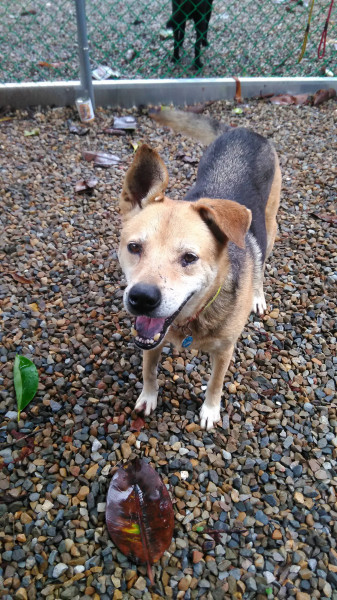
(238, 97)
(327, 217)
(18, 277)
(323, 95)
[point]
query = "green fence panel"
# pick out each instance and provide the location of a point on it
(38, 41)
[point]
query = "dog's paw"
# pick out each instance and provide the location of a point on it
(209, 415)
(146, 403)
(259, 303)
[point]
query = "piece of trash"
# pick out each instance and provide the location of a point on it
(130, 54)
(166, 34)
(224, 16)
(102, 72)
(85, 109)
(113, 131)
(75, 129)
(328, 72)
(134, 146)
(139, 513)
(85, 185)
(237, 111)
(125, 123)
(184, 475)
(101, 159)
(31, 132)
(3, 119)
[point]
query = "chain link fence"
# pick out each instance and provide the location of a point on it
(38, 41)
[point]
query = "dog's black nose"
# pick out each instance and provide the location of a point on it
(143, 298)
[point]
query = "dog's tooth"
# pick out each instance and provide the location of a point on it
(156, 337)
(134, 331)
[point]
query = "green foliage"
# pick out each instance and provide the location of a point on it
(26, 380)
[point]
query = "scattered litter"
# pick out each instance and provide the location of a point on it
(75, 129)
(103, 72)
(101, 159)
(86, 185)
(125, 123)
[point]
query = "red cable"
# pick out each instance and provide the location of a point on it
(324, 33)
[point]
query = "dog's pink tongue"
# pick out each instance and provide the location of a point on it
(147, 328)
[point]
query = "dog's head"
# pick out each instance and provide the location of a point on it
(173, 253)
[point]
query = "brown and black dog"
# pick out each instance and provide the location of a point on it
(200, 12)
(194, 267)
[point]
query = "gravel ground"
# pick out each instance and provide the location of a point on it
(256, 516)
(246, 38)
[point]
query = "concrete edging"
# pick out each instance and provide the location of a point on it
(128, 93)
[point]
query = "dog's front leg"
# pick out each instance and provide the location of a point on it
(210, 410)
(147, 401)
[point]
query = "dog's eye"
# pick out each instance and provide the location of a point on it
(188, 258)
(134, 248)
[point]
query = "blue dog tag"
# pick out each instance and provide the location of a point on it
(187, 341)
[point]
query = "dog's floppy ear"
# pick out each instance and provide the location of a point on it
(226, 219)
(145, 181)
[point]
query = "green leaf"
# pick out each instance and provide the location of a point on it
(26, 380)
(237, 111)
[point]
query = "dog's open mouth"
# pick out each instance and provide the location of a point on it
(150, 332)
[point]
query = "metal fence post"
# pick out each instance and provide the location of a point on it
(83, 47)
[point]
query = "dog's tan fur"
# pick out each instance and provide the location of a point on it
(166, 229)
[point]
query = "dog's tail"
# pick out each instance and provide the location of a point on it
(203, 129)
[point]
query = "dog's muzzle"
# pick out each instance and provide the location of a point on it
(142, 300)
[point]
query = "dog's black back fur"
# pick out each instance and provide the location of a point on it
(200, 12)
(225, 171)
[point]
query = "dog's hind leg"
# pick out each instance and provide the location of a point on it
(259, 302)
(147, 401)
(210, 410)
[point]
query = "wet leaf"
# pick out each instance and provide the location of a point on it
(139, 513)
(86, 185)
(101, 159)
(238, 97)
(75, 129)
(328, 217)
(137, 424)
(286, 99)
(3, 119)
(125, 123)
(32, 132)
(18, 277)
(323, 95)
(26, 380)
